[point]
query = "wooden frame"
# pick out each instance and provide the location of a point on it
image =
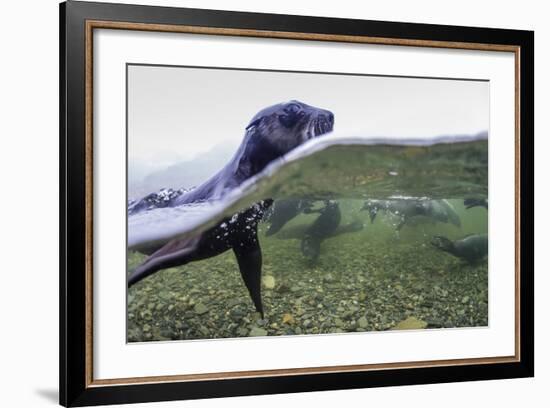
(77, 22)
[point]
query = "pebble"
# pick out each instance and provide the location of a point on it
(283, 288)
(410, 323)
(233, 302)
(200, 309)
(373, 296)
(362, 322)
(257, 331)
(329, 278)
(268, 281)
(288, 318)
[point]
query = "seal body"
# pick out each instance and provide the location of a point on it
(271, 133)
(476, 202)
(323, 227)
(164, 198)
(472, 248)
(405, 210)
(283, 211)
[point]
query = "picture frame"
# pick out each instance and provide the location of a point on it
(78, 23)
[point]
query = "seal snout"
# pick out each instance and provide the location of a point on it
(323, 123)
(441, 242)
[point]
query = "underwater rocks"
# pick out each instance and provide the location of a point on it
(410, 323)
(288, 318)
(365, 291)
(257, 332)
(200, 309)
(268, 282)
(363, 323)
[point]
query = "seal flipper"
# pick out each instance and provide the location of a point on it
(311, 247)
(372, 209)
(249, 258)
(174, 253)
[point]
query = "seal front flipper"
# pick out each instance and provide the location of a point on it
(174, 253)
(249, 258)
(311, 247)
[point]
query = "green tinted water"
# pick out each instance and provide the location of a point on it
(373, 279)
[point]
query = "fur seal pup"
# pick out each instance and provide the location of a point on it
(283, 211)
(272, 132)
(436, 210)
(472, 248)
(323, 227)
(476, 202)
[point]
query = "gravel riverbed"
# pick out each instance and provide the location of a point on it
(358, 284)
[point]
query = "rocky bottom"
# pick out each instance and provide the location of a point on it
(356, 285)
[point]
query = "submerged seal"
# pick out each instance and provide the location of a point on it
(472, 248)
(323, 227)
(436, 210)
(476, 202)
(326, 225)
(283, 211)
(272, 132)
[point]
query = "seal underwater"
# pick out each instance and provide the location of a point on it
(476, 202)
(272, 132)
(323, 227)
(436, 210)
(472, 248)
(283, 211)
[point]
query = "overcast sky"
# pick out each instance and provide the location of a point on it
(176, 113)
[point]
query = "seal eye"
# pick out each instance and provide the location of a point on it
(292, 108)
(291, 114)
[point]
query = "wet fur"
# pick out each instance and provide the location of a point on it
(271, 133)
(472, 248)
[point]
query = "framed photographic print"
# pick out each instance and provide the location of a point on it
(256, 203)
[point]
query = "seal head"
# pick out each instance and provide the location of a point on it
(275, 131)
(272, 132)
(472, 248)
